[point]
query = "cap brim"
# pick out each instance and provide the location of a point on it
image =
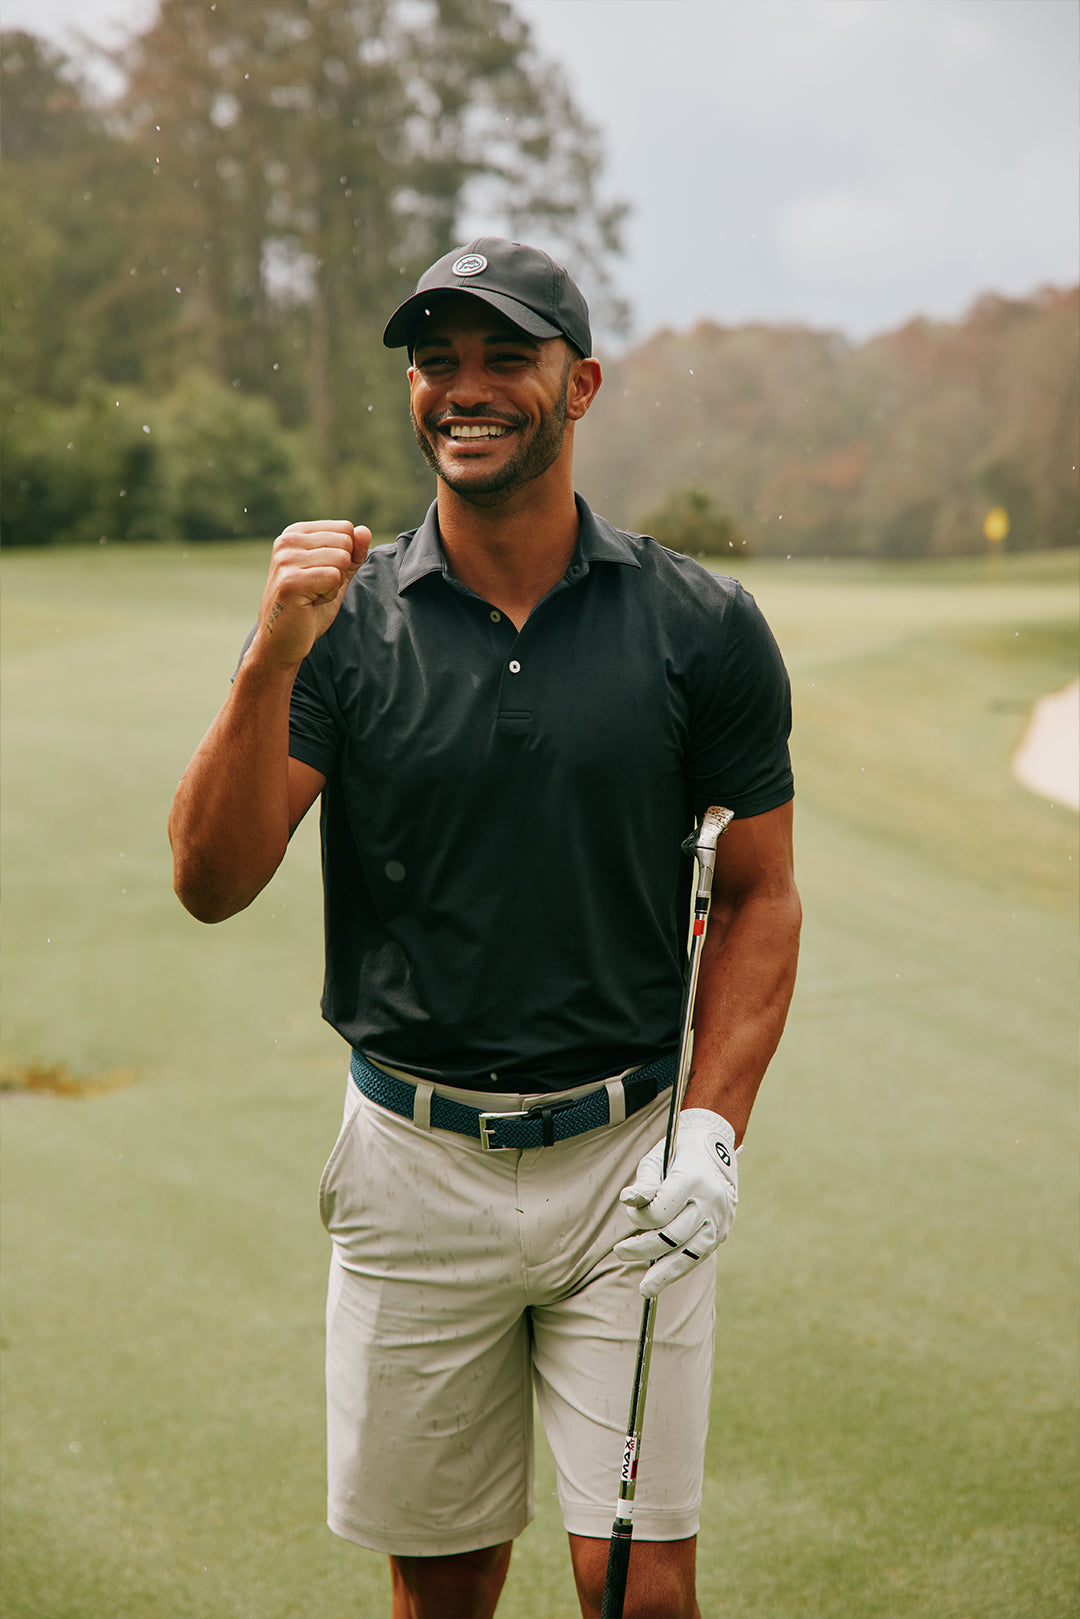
(401, 327)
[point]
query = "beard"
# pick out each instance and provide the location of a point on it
(532, 455)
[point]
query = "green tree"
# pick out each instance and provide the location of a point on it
(203, 462)
(309, 159)
(83, 473)
(690, 520)
(233, 471)
(71, 202)
(265, 189)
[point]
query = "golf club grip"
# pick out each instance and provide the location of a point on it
(618, 1562)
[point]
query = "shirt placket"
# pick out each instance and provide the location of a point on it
(510, 646)
(514, 709)
(516, 688)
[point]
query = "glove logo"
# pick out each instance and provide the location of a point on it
(723, 1154)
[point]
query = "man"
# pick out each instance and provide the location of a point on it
(512, 718)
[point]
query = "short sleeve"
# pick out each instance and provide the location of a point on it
(742, 717)
(315, 726)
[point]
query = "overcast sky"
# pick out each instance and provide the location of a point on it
(842, 163)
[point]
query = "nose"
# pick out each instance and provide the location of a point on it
(472, 384)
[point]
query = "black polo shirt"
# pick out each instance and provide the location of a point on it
(506, 899)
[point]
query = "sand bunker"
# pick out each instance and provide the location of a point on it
(1048, 759)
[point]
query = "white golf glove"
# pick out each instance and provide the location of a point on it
(686, 1214)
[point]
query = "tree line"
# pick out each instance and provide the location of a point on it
(784, 441)
(198, 266)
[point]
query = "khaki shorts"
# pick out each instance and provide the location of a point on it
(462, 1283)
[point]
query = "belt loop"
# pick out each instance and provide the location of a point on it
(616, 1101)
(421, 1110)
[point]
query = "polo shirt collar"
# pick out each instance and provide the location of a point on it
(421, 551)
(598, 541)
(601, 541)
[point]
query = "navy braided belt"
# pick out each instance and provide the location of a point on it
(540, 1126)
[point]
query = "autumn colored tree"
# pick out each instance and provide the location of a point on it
(895, 447)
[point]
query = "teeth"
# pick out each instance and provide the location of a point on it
(479, 431)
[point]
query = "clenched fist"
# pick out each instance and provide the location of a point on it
(310, 569)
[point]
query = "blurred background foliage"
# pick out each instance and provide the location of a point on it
(198, 266)
(218, 245)
(816, 446)
(690, 520)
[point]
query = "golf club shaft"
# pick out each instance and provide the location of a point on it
(702, 845)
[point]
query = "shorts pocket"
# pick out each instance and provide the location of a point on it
(336, 1181)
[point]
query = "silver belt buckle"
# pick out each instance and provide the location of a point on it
(487, 1127)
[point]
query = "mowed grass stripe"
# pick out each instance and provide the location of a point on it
(895, 1403)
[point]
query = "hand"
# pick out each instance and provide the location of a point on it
(311, 567)
(685, 1215)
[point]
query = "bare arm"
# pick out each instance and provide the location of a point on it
(241, 796)
(747, 966)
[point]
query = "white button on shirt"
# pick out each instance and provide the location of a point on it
(515, 667)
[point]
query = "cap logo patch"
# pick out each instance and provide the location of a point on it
(469, 264)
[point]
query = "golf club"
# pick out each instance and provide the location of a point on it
(702, 845)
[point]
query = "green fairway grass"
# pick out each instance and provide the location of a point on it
(895, 1413)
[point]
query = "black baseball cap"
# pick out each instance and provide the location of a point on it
(521, 282)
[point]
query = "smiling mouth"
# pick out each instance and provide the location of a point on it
(467, 430)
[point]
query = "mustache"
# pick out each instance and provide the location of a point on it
(481, 412)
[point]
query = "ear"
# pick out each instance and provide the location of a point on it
(582, 387)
